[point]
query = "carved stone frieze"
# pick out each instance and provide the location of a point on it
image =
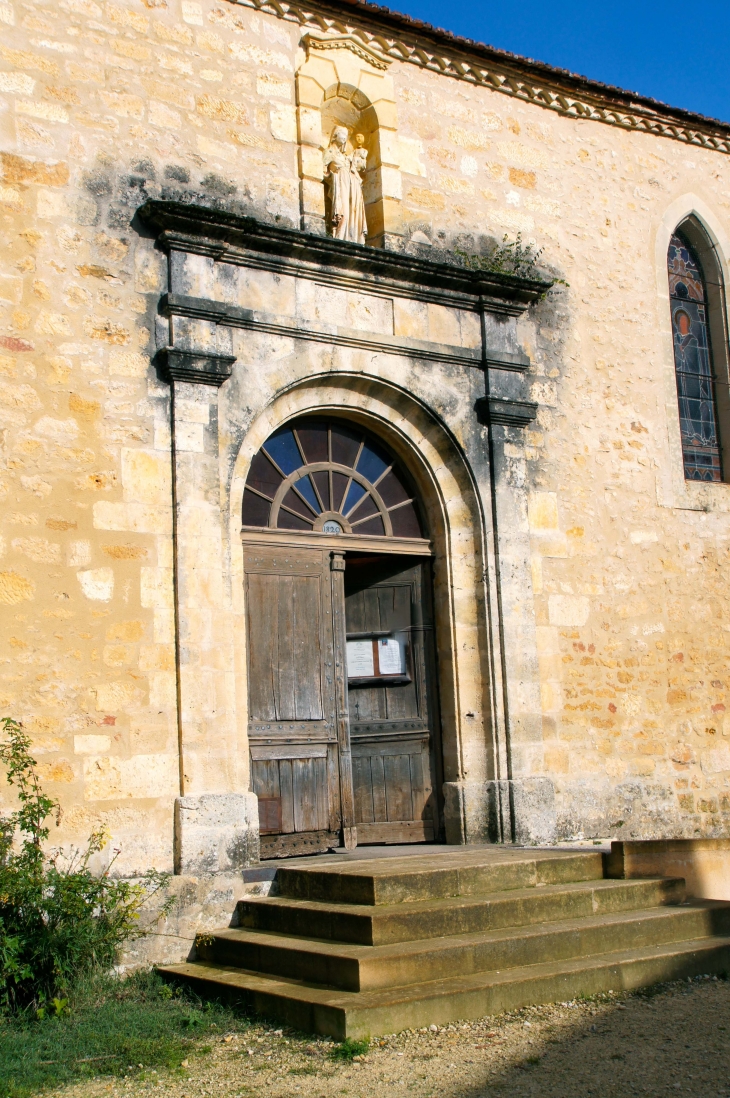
(349, 42)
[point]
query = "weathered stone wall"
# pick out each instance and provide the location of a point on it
(105, 104)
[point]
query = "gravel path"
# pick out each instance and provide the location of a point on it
(674, 1041)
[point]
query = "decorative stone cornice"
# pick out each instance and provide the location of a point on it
(532, 82)
(246, 241)
(348, 42)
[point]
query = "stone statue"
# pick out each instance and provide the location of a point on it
(342, 174)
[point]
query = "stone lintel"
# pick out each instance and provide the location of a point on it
(198, 367)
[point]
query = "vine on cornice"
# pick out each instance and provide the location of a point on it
(639, 119)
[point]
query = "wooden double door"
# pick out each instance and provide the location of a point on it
(343, 714)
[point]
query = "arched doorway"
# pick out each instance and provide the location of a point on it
(343, 713)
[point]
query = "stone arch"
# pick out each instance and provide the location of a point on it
(343, 82)
(451, 504)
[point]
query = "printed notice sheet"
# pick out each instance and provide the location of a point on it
(360, 662)
(390, 656)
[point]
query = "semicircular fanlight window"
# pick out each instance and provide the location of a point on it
(325, 474)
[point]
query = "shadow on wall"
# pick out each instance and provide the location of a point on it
(668, 1040)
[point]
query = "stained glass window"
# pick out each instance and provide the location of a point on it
(330, 476)
(693, 363)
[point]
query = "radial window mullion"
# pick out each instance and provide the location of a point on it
(304, 500)
(296, 514)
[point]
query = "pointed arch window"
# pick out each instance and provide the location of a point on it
(329, 476)
(693, 361)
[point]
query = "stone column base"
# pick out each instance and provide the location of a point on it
(520, 810)
(216, 833)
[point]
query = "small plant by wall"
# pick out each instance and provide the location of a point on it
(58, 919)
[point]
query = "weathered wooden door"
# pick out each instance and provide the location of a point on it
(392, 702)
(297, 727)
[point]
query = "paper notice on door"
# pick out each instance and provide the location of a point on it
(390, 656)
(360, 662)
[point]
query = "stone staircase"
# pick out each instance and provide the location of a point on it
(365, 947)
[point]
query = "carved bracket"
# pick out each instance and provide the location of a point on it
(511, 413)
(199, 367)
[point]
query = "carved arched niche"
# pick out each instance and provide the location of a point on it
(344, 82)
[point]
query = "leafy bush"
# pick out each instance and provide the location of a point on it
(58, 919)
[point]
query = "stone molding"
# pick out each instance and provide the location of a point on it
(597, 103)
(234, 316)
(349, 42)
(197, 367)
(245, 241)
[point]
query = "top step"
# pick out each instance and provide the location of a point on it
(453, 872)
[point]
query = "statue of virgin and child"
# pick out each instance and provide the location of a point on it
(342, 175)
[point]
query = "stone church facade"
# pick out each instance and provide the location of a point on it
(307, 540)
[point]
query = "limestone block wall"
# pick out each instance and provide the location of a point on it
(107, 103)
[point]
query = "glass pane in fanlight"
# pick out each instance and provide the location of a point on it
(373, 461)
(367, 507)
(288, 521)
(355, 493)
(345, 443)
(372, 526)
(305, 487)
(392, 490)
(313, 437)
(405, 522)
(255, 510)
(263, 476)
(292, 500)
(284, 450)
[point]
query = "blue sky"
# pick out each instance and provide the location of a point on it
(680, 55)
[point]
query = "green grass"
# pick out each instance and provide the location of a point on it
(349, 1048)
(113, 1027)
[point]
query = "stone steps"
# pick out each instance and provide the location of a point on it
(358, 923)
(364, 968)
(367, 1013)
(355, 947)
(401, 880)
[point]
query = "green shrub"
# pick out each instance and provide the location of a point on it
(58, 919)
(510, 257)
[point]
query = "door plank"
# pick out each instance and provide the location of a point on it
(363, 787)
(380, 806)
(261, 594)
(287, 795)
(398, 787)
(304, 796)
(306, 645)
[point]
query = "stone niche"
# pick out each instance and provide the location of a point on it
(344, 82)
